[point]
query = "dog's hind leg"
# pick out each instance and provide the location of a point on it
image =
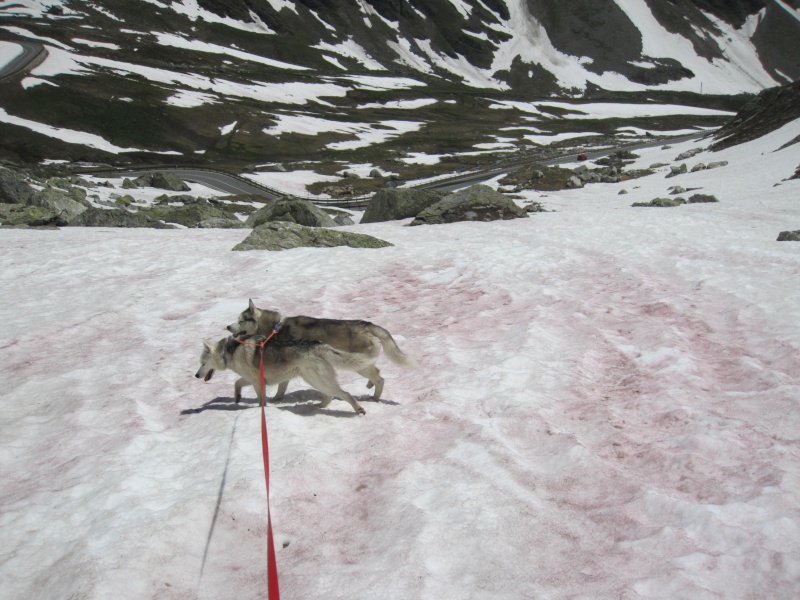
(323, 378)
(374, 375)
(281, 391)
(237, 389)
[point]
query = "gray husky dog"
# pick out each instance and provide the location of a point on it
(310, 359)
(361, 337)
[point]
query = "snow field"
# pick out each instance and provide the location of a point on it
(605, 405)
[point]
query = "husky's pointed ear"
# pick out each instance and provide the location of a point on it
(252, 306)
(207, 345)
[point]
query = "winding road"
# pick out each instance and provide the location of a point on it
(235, 184)
(32, 55)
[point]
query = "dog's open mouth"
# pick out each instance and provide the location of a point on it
(208, 375)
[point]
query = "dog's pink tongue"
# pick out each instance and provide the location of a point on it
(208, 375)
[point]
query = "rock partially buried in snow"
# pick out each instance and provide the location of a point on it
(291, 210)
(395, 203)
(284, 236)
(115, 217)
(218, 223)
(476, 203)
(698, 198)
(662, 202)
(679, 170)
(189, 215)
(162, 180)
(789, 236)
(688, 154)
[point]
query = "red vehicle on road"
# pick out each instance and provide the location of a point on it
(582, 157)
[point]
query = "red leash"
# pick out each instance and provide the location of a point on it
(273, 589)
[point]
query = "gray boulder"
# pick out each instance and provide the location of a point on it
(661, 202)
(697, 198)
(188, 215)
(789, 236)
(13, 188)
(717, 164)
(115, 217)
(699, 167)
(124, 201)
(679, 170)
(574, 182)
(340, 217)
(476, 203)
(391, 204)
(688, 154)
(26, 215)
(285, 235)
(162, 180)
(217, 223)
(292, 210)
(59, 202)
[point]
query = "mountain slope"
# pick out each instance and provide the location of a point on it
(217, 80)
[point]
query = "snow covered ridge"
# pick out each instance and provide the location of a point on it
(605, 405)
(501, 45)
(165, 78)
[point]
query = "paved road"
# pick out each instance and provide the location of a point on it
(32, 55)
(231, 184)
(456, 183)
(217, 180)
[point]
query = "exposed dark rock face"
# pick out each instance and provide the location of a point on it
(115, 217)
(476, 203)
(398, 203)
(770, 110)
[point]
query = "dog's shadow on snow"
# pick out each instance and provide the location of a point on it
(304, 403)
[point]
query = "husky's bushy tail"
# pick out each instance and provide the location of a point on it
(390, 347)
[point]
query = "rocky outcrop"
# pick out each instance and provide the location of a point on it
(22, 205)
(291, 210)
(26, 215)
(476, 203)
(115, 217)
(13, 188)
(284, 236)
(162, 180)
(391, 204)
(59, 202)
(189, 215)
(770, 110)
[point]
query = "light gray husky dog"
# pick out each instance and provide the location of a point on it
(310, 359)
(361, 337)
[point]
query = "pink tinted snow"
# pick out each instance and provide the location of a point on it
(586, 420)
